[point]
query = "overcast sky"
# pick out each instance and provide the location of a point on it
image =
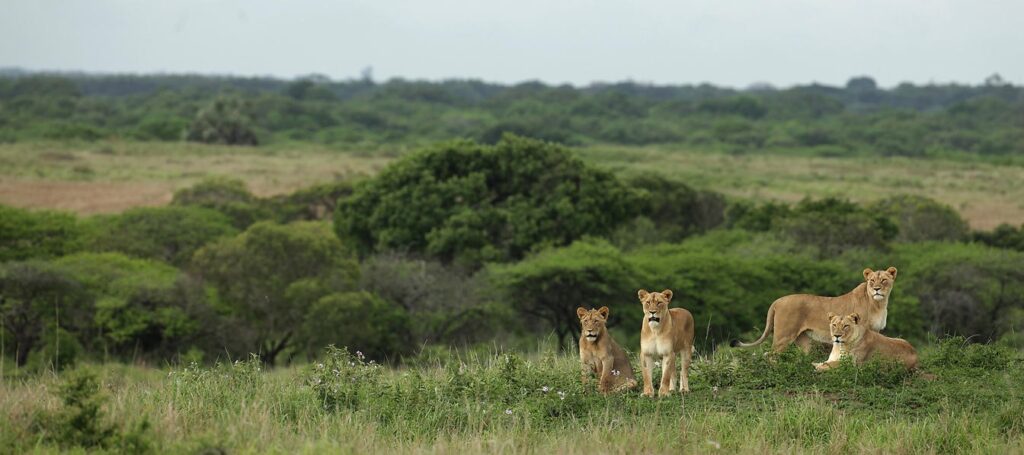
(725, 42)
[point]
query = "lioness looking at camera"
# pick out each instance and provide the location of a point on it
(801, 318)
(851, 338)
(601, 355)
(665, 333)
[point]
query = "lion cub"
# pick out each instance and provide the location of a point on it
(601, 355)
(851, 337)
(665, 333)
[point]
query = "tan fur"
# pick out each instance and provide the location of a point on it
(800, 318)
(663, 340)
(851, 337)
(602, 355)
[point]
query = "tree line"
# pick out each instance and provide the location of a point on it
(859, 118)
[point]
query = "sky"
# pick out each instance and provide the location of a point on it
(725, 42)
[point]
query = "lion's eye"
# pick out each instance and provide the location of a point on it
(885, 281)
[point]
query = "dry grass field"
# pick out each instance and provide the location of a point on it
(112, 176)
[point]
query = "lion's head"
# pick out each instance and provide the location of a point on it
(845, 329)
(655, 305)
(880, 282)
(593, 322)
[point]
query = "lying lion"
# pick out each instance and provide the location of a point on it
(852, 338)
(601, 355)
(800, 318)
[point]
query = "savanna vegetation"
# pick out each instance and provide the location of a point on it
(398, 305)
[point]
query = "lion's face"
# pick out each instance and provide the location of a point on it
(880, 282)
(655, 305)
(593, 322)
(844, 328)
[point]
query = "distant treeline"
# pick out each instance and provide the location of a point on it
(466, 242)
(858, 118)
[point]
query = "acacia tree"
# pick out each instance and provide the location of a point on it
(473, 203)
(270, 274)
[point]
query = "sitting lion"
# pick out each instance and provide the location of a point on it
(601, 355)
(800, 318)
(851, 338)
(665, 334)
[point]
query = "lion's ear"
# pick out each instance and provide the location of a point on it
(855, 317)
(580, 312)
(603, 311)
(668, 294)
(642, 294)
(867, 273)
(831, 315)
(892, 271)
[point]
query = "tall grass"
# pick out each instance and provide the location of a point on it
(968, 398)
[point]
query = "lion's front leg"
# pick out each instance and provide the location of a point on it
(668, 370)
(607, 378)
(647, 365)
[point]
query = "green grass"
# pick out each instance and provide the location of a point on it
(114, 175)
(968, 399)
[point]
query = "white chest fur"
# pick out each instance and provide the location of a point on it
(657, 346)
(879, 322)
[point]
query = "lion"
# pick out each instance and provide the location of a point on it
(665, 333)
(601, 355)
(800, 318)
(851, 338)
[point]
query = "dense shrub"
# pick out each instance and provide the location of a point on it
(170, 234)
(550, 286)
(836, 225)
(137, 306)
(225, 195)
(471, 203)
(378, 329)
(921, 219)
(269, 275)
(33, 295)
(28, 234)
(448, 304)
(677, 209)
(1004, 236)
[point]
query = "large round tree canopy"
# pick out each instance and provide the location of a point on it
(472, 203)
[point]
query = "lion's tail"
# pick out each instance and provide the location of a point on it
(768, 325)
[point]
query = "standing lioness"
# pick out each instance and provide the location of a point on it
(801, 318)
(601, 355)
(665, 333)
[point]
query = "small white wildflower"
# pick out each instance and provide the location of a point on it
(351, 364)
(545, 389)
(508, 411)
(616, 372)
(360, 354)
(714, 389)
(320, 366)
(316, 381)
(561, 395)
(657, 363)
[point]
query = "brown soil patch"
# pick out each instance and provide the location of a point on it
(84, 197)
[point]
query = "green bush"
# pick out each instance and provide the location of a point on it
(473, 203)
(36, 298)
(227, 196)
(170, 234)
(921, 219)
(26, 234)
(548, 287)
(268, 276)
(363, 321)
